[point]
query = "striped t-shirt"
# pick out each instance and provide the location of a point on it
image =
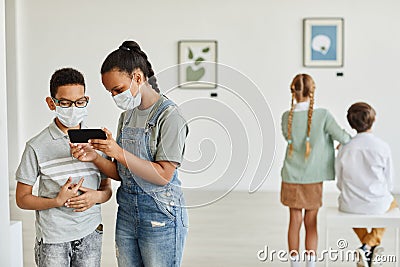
(47, 156)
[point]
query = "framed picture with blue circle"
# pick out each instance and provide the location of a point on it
(323, 42)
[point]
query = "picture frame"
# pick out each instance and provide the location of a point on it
(197, 64)
(323, 42)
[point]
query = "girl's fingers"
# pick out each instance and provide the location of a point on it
(100, 147)
(98, 141)
(108, 133)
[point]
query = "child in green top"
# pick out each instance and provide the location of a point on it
(309, 161)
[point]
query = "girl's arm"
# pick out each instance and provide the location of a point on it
(84, 152)
(159, 172)
(284, 125)
(26, 200)
(335, 131)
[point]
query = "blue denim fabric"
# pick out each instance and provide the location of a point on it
(152, 221)
(84, 252)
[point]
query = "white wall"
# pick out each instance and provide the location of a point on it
(262, 39)
(4, 193)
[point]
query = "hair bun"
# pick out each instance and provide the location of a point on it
(131, 45)
(122, 47)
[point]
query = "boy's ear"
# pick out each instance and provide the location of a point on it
(50, 103)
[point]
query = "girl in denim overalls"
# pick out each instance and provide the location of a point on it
(151, 222)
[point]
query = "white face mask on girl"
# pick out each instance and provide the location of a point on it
(126, 100)
(72, 116)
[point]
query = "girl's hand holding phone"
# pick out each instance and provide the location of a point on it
(108, 146)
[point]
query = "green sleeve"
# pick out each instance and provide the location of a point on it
(335, 131)
(284, 125)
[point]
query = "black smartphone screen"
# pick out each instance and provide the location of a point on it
(83, 135)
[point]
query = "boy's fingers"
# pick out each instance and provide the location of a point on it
(68, 182)
(80, 210)
(75, 199)
(76, 188)
(84, 189)
(76, 204)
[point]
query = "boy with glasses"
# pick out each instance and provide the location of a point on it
(68, 217)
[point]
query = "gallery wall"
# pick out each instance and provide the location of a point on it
(259, 45)
(5, 250)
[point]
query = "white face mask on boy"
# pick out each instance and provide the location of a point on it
(126, 100)
(72, 116)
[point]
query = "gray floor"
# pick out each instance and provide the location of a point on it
(229, 232)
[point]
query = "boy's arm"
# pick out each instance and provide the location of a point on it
(91, 197)
(338, 171)
(389, 171)
(26, 200)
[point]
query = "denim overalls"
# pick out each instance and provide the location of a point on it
(151, 221)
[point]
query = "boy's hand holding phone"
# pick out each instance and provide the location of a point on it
(83, 152)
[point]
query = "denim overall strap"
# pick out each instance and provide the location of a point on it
(163, 106)
(150, 124)
(127, 117)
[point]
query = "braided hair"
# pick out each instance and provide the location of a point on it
(128, 57)
(302, 85)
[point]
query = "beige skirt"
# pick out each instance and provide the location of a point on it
(302, 196)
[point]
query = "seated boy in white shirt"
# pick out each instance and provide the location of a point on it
(364, 177)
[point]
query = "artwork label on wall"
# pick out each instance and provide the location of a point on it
(323, 42)
(197, 61)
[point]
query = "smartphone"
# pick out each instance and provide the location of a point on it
(83, 135)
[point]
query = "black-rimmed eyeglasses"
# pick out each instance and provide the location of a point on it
(65, 103)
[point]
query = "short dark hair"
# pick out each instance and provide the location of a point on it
(361, 116)
(65, 76)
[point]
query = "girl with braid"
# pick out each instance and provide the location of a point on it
(152, 220)
(309, 160)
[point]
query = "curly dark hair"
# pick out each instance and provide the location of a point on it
(65, 76)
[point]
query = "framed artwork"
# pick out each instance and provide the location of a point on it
(323, 42)
(197, 64)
